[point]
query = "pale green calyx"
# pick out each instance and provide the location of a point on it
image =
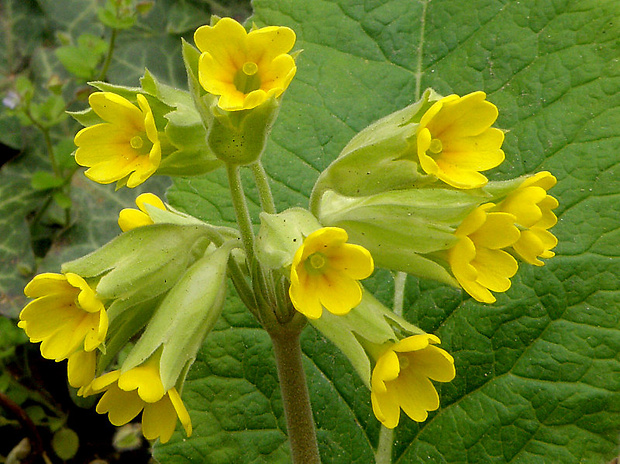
(404, 230)
(281, 235)
(144, 262)
(381, 157)
(184, 317)
(363, 331)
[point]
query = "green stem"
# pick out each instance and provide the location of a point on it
(295, 397)
(241, 210)
(264, 190)
(384, 449)
(50, 150)
(108, 58)
(400, 279)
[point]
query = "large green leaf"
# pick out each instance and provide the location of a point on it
(538, 374)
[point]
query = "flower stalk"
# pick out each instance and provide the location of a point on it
(295, 396)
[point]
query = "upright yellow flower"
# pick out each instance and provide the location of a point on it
(478, 260)
(401, 376)
(69, 321)
(532, 207)
(455, 140)
(244, 69)
(125, 146)
(130, 218)
(325, 273)
(140, 390)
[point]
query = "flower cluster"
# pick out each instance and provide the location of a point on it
(406, 194)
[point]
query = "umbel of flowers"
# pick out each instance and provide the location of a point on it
(409, 193)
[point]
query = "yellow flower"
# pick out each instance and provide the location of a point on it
(401, 376)
(69, 320)
(325, 273)
(140, 390)
(532, 207)
(244, 69)
(125, 146)
(130, 218)
(455, 140)
(478, 260)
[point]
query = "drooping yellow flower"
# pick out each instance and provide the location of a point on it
(244, 69)
(69, 321)
(478, 260)
(532, 207)
(325, 273)
(130, 218)
(140, 390)
(125, 146)
(455, 140)
(401, 376)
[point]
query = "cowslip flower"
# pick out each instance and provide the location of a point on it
(325, 273)
(140, 389)
(401, 376)
(68, 319)
(126, 146)
(455, 140)
(478, 260)
(130, 218)
(244, 69)
(531, 206)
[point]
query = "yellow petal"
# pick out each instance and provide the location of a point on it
(113, 108)
(278, 74)
(159, 420)
(495, 267)
(386, 369)
(457, 177)
(460, 258)
(267, 43)
(415, 343)
(81, 368)
(181, 411)
(434, 363)
(149, 199)
(130, 218)
(498, 231)
(121, 406)
(103, 136)
(338, 292)
(354, 260)
(305, 298)
(102, 382)
(146, 380)
(415, 394)
(47, 284)
(225, 41)
(385, 408)
(466, 116)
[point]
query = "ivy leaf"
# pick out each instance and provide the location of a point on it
(537, 373)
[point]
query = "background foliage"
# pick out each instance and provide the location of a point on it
(538, 373)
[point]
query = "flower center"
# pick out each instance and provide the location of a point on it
(315, 263)
(136, 142)
(436, 146)
(247, 79)
(403, 361)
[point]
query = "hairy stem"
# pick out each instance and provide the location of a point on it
(295, 397)
(264, 190)
(241, 210)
